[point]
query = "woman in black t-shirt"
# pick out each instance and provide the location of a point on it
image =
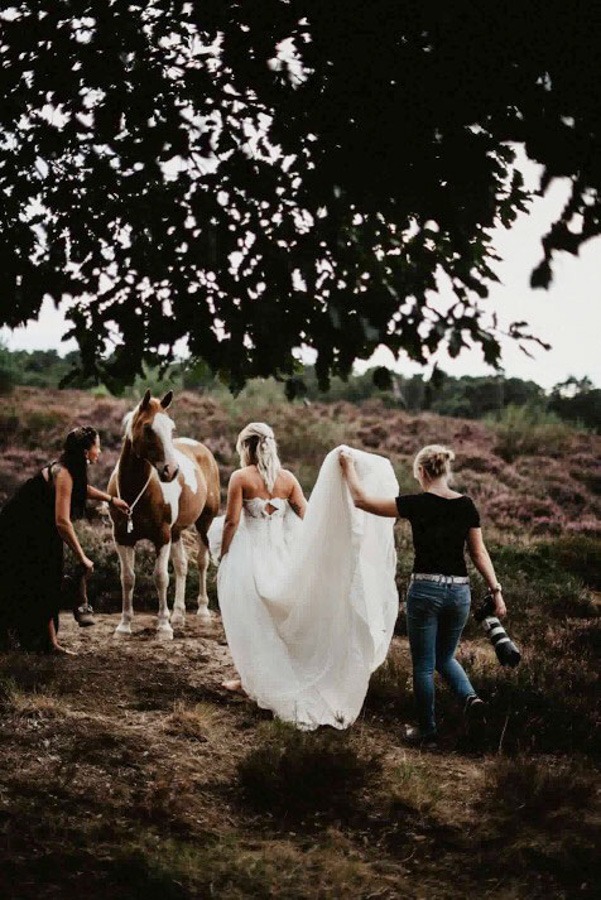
(443, 522)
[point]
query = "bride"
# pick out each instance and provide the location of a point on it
(306, 590)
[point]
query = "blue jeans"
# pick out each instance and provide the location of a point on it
(436, 616)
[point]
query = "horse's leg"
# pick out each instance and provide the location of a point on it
(179, 558)
(161, 580)
(127, 556)
(202, 526)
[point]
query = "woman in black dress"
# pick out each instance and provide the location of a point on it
(35, 524)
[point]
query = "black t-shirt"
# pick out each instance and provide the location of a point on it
(440, 528)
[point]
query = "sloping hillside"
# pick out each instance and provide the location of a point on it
(538, 479)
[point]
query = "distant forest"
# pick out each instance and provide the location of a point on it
(576, 401)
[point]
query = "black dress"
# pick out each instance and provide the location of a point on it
(31, 564)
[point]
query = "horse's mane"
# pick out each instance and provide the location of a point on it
(127, 420)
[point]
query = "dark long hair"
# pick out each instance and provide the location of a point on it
(73, 458)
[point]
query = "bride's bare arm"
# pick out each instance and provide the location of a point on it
(233, 511)
(297, 499)
(379, 506)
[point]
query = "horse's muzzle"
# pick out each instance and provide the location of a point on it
(167, 474)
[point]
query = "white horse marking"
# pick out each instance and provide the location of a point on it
(128, 580)
(188, 470)
(161, 580)
(163, 426)
(171, 494)
(179, 558)
(189, 441)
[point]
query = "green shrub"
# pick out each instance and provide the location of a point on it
(550, 702)
(529, 431)
(540, 789)
(549, 578)
(298, 774)
(579, 554)
(554, 802)
(390, 684)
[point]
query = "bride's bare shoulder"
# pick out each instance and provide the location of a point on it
(288, 479)
(247, 478)
(239, 476)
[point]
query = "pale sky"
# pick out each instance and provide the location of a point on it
(568, 315)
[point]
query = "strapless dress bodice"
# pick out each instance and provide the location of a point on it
(265, 508)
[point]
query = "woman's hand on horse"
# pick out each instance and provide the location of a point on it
(121, 505)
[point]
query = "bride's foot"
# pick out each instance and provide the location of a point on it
(234, 685)
(56, 648)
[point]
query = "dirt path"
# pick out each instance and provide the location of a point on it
(121, 779)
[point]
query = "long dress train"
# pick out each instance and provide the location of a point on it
(309, 607)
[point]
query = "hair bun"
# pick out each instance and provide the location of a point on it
(435, 460)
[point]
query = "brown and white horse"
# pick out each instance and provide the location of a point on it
(169, 485)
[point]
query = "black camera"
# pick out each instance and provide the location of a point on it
(507, 652)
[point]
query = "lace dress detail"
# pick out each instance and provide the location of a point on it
(309, 606)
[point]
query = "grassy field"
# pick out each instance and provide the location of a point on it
(128, 772)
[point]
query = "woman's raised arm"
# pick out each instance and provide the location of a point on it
(379, 506)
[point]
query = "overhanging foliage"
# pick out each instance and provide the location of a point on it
(254, 177)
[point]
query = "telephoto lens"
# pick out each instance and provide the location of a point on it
(507, 652)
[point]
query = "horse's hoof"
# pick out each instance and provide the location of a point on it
(123, 628)
(178, 620)
(205, 615)
(165, 633)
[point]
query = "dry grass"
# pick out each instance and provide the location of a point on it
(306, 777)
(200, 722)
(411, 786)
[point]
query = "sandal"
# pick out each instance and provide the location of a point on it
(84, 615)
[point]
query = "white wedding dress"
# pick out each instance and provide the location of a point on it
(309, 606)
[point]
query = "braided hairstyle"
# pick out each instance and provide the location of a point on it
(73, 458)
(434, 460)
(256, 446)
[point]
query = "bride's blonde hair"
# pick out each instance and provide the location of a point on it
(256, 446)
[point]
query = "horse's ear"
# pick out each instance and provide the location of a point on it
(166, 401)
(145, 400)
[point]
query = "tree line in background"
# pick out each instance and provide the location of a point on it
(575, 400)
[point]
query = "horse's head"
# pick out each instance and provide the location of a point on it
(149, 429)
